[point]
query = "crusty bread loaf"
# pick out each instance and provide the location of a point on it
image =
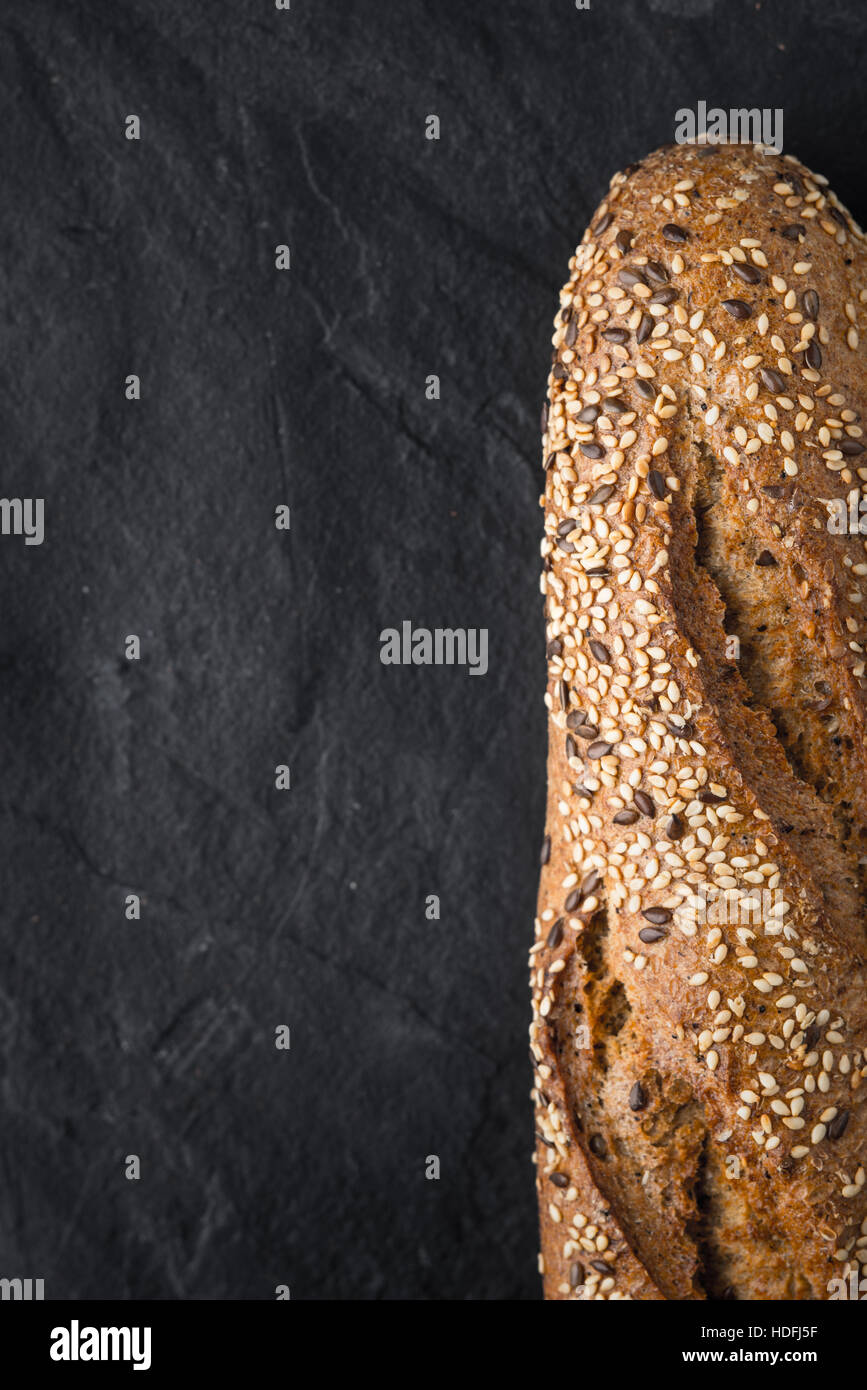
(700, 1055)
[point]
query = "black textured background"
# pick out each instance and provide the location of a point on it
(305, 907)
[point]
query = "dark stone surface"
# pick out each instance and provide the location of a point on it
(156, 777)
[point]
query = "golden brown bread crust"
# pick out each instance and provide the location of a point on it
(700, 1057)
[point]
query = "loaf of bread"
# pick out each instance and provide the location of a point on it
(699, 1031)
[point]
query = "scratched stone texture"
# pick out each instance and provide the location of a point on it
(306, 387)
